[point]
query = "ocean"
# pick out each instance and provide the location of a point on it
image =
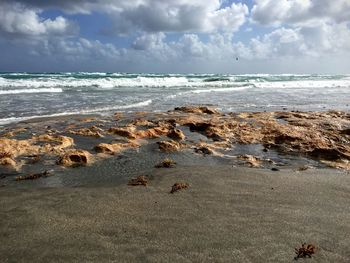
(29, 95)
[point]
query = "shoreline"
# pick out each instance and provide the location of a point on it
(67, 146)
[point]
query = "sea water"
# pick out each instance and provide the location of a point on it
(29, 95)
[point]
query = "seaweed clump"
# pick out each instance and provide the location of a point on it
(33, 176)
(166, 163)
(306, 250)
(178, 186)
(140, 180)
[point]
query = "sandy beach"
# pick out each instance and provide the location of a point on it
(228, 214)
(259, 186)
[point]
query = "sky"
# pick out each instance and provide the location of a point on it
(176, 36)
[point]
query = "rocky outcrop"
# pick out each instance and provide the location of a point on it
(197, 109)
(128, 132)
(251, 160)
(169, 146)
(92, 131)
(74, 158)
(108, 148)
(7, 161)
(176, 134)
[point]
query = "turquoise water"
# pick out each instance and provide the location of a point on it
(27, 95)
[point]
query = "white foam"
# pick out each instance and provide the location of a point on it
(81, 112)
(220, 89)
(40, 90)
(308, 84)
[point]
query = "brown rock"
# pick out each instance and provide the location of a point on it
(204, 150)
(7, 161)
(75, 158)
(108, 148)
(176, 134)
(197, 109)
(251, 160)
(169, 146)
(93, 132)
(128, 132)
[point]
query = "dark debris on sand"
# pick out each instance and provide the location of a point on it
(306, 250)
(178, 186)
(140, 180)
(166, 163)
(34, 176)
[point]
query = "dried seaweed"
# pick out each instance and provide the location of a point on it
(178, 186)
(33, 176)
(140, 180)
(306, 250)
(166, 163)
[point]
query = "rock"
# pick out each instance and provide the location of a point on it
(58, 142)
(176, 134)
(169, 146)
(197, 109)
(7, 161)
(251, 160)
(75, 158)
(204, 150)
(152, 133)
(93, 132)
(128, 132)
(108, 148)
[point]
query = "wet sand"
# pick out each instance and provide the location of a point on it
(228, 214)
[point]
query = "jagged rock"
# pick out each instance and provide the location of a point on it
(93, 132)
(204, 150)
(169, 146)
(58, 141)
(152, 133)
(75, 158)
(251, 160)
(108, 148)
(7, 161)
(176, 134)
(197, 109)
(128, 132)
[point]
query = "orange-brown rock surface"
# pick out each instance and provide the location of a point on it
(169, 146)
(92, 131)
(75, 157)
(197, 109)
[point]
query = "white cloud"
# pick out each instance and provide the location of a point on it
(277, 12)
(154, 16)
(20, 20)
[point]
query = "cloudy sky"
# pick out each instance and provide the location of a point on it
(267, 36)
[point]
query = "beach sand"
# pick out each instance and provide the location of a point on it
(228, 214)
(259, 186)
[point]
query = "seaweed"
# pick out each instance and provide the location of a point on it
(140, 180)
(166, 163)
(306, 250)
(33, 176)
(178, 186)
